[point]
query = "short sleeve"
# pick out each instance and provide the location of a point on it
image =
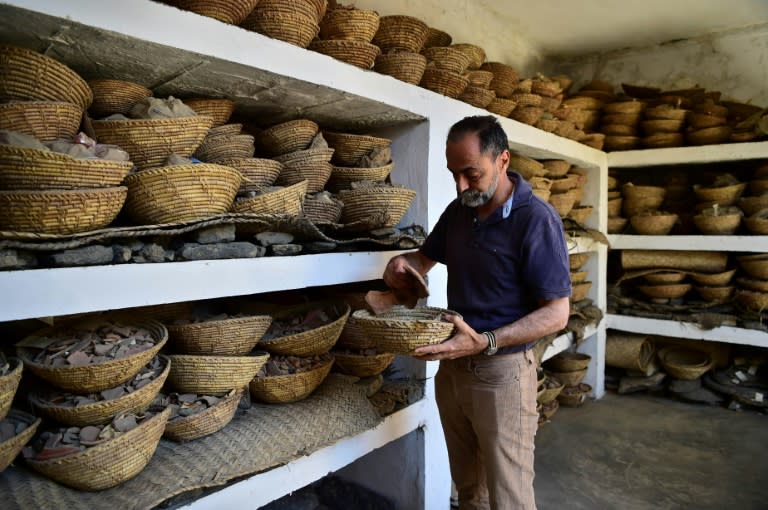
(546, 267)
(435, 245)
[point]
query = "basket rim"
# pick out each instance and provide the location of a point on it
(179, 421)
(323, 364)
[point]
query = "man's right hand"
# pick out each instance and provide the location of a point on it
(395, 274)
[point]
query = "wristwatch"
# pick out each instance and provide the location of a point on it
(491, 349)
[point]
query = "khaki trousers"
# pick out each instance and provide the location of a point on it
(487, 408)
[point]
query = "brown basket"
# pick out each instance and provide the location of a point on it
(205, 422)
(715, 294)
(753, 205)
(546, 88)
(579, 276)
(361, 365)
(703, 120)
(286, 200)
(556, 167)
(350, 24)
(45, 120)
(752, 284)
(479, 78)
(103, 411)
(308, 343)
(401, 33)
(722, 195)
(228, 11)
(477, 97)
(352, 337)
(704, 261)
(621, 143)
(577, 260)
(543, 194)
(583, 103)
(150, 141)
(663, 140)
(475, 53)
(755, 265)
(563, 184)
(293, 28)
(291, 136)
(713, 279)
(757, 224)
(311, 165)
(213, 375)
(10, 448)
(401, 330)
(568, 362)
(725, 224)
(27, 169)
(107, 464)
(624, 107)
(618, 130)
(629, 351)
(665, 291)
(551, 104)
(571, 377)
(115, 96)
(349, 148)
(652, 127)
(758, 186)
(181, 192)
(342, 177)
(707, 136)
(540, 183)
(651, 224)
(527, 114)
(685, 364)
(528, 167)
(224, 130)
(283, 389)
(28, 75)
(753, 300)
(60, 212)
(436, 37)
(580, 213)
(563, 203)
(306, 8)
(504, 78)
(664, 277)
(358, 53)
(98, 377)
(220, 147)
(320, 211)
(227, 337)
(579, 291)
(576, 398)
(9, 383)
(616, 225)
(382, 206)
(219, 109)
(501, 106)
(447, 58)
(626, 119)
(405, 66)
(256, 172)
(550, 394)
(444, 82)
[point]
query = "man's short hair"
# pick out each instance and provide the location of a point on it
(493, 139)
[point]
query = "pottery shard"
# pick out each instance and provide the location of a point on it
(124, 423)
(78, 358)
(89, 434)
(7, 430)
(112, 393)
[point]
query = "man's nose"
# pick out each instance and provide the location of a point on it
(462, 184)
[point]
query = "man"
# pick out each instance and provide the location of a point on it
(508, 276)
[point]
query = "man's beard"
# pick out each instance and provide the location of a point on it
(475, 198)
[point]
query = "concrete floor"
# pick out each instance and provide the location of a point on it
(635, 452)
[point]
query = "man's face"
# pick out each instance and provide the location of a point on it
(476, 174)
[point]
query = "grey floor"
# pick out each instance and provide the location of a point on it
(635, 452)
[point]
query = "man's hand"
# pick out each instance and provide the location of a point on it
(466, 342)
(395, 274)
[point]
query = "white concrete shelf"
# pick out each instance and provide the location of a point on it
(689, 242)
(583, 245)
(564, 342)
(688, 155)
(687, 330)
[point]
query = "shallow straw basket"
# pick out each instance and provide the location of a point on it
(150, 141)
(10, 448)
(282, 389)
(528, 167)
(401, 32)
(22, 168)
(349, 148)
(550, 394)
(342, 177)
(724, 224)
(224, 130)
(665, 291)
(349, 24)
(621, 143)
(286, 200)
(28, 75)
(358, 53)
(220, 147)
(60, 212)
(107, 464)
(706, 136)
(569, 361)
(754, 300)
(115, 96)
(205, 422)
(579, 291)
(443, 82)
(256, 172)
(219, 109)
(45, 120)
(629, 351)
(752, 205)
(663, 140)
(476, 96)
(755, 265)
(722, 195)
(563, 203)
(303, 7)
(580, 213)
(101, 412)
(575, 399)
(563, 184)
(228, 11)
(437, 37)
(293, 28)
(664, 277)
(652, 127)
(401, 330)
(291, 136)
(478, 78)
(361, 365)
(556, 167)
(236, 336)
(403, 65)
(579, 276)
(715, 294)
(653, 224)
(570, 377)
(311, 165)
(381, 205)
(714, 279)
(757, 224)
(704, 261)
(475, 53)
(685, 364)
(501, 106)
(577, 260)
(307, 343)
(447, 58)
(616, 224)
(9, 383)
(99, 376)
(504, 78)
(181, 192)
(321, 211)
(213, 375)
(352, 337)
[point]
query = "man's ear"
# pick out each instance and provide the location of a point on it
(504, 159)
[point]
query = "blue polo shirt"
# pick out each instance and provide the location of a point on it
(499, 268)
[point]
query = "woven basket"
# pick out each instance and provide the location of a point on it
(713, 279)
(60, 212)
(308, 343)
(650, 224)
(477, 97)
(405, 66)
(357, 53)
(352, 337)
(546, 88)
(505, 78)
(150, 141)
(10, 448)
(629, 351)
(219, 109)
(580, 213)
(45, 120)
(436, 37)
(579, 276)
(704, 261)
(361, 365)
(758, 187)
(583, 103)
(527, 114)
(9, 383)
(221, 147)
(103, 411)
(181, 193)
(226, 337)
(563, 203)
(663, 140)
(100, 376)
(256, 172)
(614, 207)
(475, 53)
(551, 104)
(401, 330)
(722, 195)
(283, 389)
(707, 136)
(286, 200)
(563, 184)
(228, 11)
(618, 130)
(224, 130)
(651, 127)
(401, 33)
(444, 82)
(626, 119)
(569, 362)
(575, 398)
(703, 120)
(556, 167)
(528, 167)
(205, 422)
(571, 377)
(715, 294)
(755, 265)
(293, 28)
(342, 177)
(115, 96)
(621, 143)
(577, 260)
(757, 224)
(213, 375)
(725, 224)
(501, 106)
(107, 464)
(685, 364)
(753, 300)
(320, 211)
(479, 78)
(447, 58)
(665, 291)
(305, 8)
(753, 205)
(349, 148)
(624, 107)
(752, 284)
(543, 194)
(540, 183)
(616, 225)
(350, 24)
(311, 165)
(383, 206)
(28, 75)
(550, 394)
(291, 136)
(579, 291)
(664, 277)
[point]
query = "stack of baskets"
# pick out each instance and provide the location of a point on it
(663, 126)
(620, 123)
(9, 383)
(296, 22)
(570, 368)
(346, 34)
(546, 397)
(755, 206)
(445, 74)
(616, 222)
(664, 285)
(227, 11)
(641, 205)
(579, 284)
(753, 284)
(717, 212)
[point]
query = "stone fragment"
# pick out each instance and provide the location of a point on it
(152, 252)
(407, 244)
(235, 250)
(124, 423)
(89, 434)
(112, 393)
(170, 255)
(85, 256)
(215, 234)
(270, 238)
(384, 232)
(286, 249)
(78, 358)
(319, 247)
(121, 253)
(15, 259)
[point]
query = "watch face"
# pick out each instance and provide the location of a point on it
(490, 351)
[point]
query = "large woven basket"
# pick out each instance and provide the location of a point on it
(752, 205)
(685, 364)
(205, 422)
(107, 464)
(150, 141)
(234, 337)
(504, 78)
(60, 212)
(725, 224)
(629, 351)
(181, 192)
(563, 203)
(501, 106)
(322, 211)
(349, 24)
(403, 65)
(361, 365)
(478, 78)
(714, 279)
(45, 120)
(349, 148)
(213, 375)
(214, 149)
(100, 376)
(219, 109)
(228, 11)
(342, 177)
(291, 136)
(580, 290)
(528, 167)
(401, 330)
(115, 96)
(711, 135)
(665, 291)
(282, 389)
(447, 58)
(444, 82)
(383, 206)
(22, 168)
(437, 37)
(286, 200)
(293, 28)
(653, 224)
(352, 337)
(358, 53)
(305, 8)
(574, 398)
(755, 265)
(102, 412)
(475, 53)
(9, 383)
(401, 33)
(28, 75)
(308, 343)
(568, 361)
(311, 165)
(256, 172)
(477, 97)
(10, 448)
(722, 195)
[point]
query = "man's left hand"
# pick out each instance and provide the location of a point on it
(466, 342)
